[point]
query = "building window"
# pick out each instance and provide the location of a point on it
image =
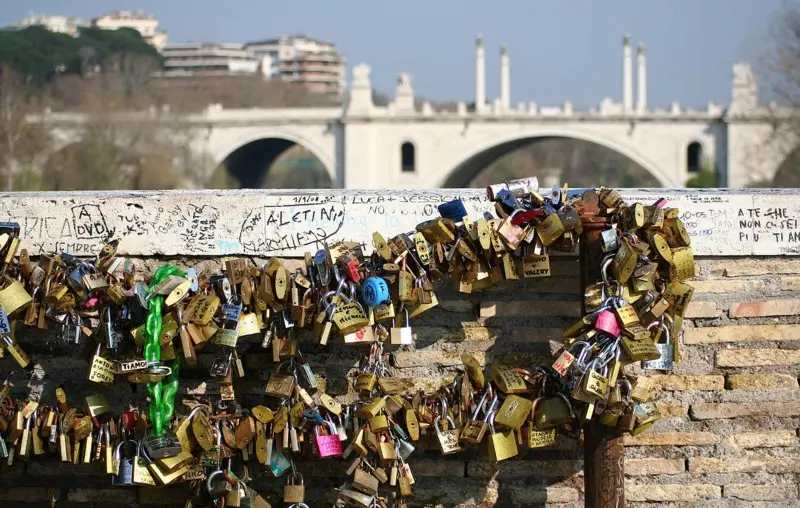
(407, 157)
(694, 157)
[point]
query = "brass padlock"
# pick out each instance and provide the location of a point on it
(295, 490)
(502, 445)
(553, 412)
(279, 385)
(534, 437)
(550, 229)
(448, 439)
(371, 409)
(438, 230)
(508, 380)
(350, 317)
(13, 296)
(513, 412)
(475, 429)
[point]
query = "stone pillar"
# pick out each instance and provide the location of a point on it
(641, 75)
(480, 75)
(505, 79)
(627, 75)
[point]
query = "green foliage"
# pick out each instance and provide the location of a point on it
(704, 179)
(39, 53)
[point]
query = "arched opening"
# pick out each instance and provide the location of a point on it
(694, 157)
(271, 163)
(553, 160)
(408, 157)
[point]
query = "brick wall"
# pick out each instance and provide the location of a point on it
(730, 411)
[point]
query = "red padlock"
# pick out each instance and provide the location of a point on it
(606, 322)
(128, 420)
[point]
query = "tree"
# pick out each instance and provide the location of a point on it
(20, 140)
(780, 70)
(130, 141)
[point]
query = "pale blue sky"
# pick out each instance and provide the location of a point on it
(560, 49)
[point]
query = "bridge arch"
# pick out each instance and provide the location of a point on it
(270, 145)
(489, 151)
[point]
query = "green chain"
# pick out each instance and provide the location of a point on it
(162, 398)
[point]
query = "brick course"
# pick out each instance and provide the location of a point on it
(730, 412)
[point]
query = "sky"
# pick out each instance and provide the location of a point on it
(559, 49)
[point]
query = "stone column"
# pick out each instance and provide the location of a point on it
(505, 79)
(480, 75)
(641, 75)
(627, 75)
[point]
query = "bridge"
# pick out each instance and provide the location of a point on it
(403, 145)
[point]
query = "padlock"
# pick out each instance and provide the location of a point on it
(402, 335)
(101, 370)
(163, 446)
(365, 482)
(666, 360)
(475, 429)
(141, 472)
(244, 432)
(641, 388)
(438, 230)
(279, 385)
(594, 383)
(375, 291)
(553, 411)
(640, 350)
(328, 443)
(123, 477)
(448, 439)
(550, 229)
(217, 485)
(624, 261)
(13, 296)
(508, 380)
(295, 490)
(606, 322)
(501, 445)
(387, 450)
(512, 235)
(202, 430)
(534, 437)
(513, 412)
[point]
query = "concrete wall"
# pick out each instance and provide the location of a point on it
(731, 409)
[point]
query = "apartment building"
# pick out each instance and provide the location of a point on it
(54, 23)
(145, 24)
(208, 59)
(298, 59)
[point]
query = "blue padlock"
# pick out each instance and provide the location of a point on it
(453, 210)
(375, 291)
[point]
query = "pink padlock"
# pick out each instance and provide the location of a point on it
(91, 302)
(606, 322)
(329, 445)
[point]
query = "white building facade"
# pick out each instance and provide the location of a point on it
(145, 24)
(316, 64)
(54, 23)
(208, 59)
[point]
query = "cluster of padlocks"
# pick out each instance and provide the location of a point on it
(143, 332)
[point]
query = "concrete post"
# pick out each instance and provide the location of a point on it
(480, 75)
(627, 75)
(505, 79)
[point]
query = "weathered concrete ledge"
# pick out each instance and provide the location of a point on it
(288, 223)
